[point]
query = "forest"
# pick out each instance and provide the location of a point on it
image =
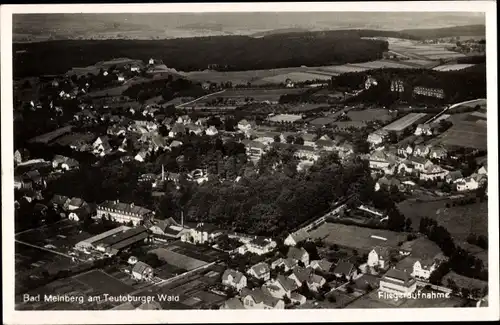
(199, 53)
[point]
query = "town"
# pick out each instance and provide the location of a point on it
(327, 187)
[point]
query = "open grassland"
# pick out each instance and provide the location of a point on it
(452, 67)
(459, 220)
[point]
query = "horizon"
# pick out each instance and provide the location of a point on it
(184, 25)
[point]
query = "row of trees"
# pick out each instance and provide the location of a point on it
(460, 261)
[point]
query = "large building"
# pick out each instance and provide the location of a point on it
(429, 92)
(398, 282)
(124, 212)
(113, 241)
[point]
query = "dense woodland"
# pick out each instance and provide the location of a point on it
(188, 54)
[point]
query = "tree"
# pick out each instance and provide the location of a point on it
(277, 138)
(289, 139)
(299, 140)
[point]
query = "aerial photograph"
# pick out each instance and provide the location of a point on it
(250, 160)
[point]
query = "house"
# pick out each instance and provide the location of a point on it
(142, 156)
(378, 160)
(370, 81)
(254, 149)
(438, 152)
(405, 150)
(244, 125)
(175, 144)
(158, 142)
(177, 129)
(397, 282)
(378, 137)
(345, 269)
(422, 269)
(421, 150)
(60, 202)
(315, 282)
(21, 155)
(308, 139)
(258, 299)
(300, 254)
(420, 163)
(433, 172)
(101, 146)
(260, 271)
(260, 245)
(124, 212)
(423, 129)
(193, 128)
(300, 275)
(81, 213)
(235, 279)
(168, 228)
(327, 145)
(321, 265)
(296, 237)
(379, 256)
(453, 176)
(467, 184)
(201, 233)
(184, 119)
(34, 177)
(297, 298)
(76, 203)
(233, 303)
(286, 263)
(483, 170)
(405, 168)
(141, 271)
(211, 131)
(280, 287)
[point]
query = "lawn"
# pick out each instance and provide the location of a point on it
(459, 220)
(355, 237)
(295, 77)
(103, 282)
(369, 115)
(238, 77)
(466, 134)
(256, 93)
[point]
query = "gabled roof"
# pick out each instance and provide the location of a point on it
(325, 143)
(140, 267)
(296, 253)
(260, 296)
(344, 268)
(76, 202)
(323, 264)
(233, 303)
(382, 252)
(398, 275)
(237, 276)
(315, 279)
(302, 274)
(260, 268)
(300, 235)
(59, 199)
(286, 283)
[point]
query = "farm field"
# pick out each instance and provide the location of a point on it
(339, 69)
(294, 76)
(47, 137)
(418, 51)
(102, 282)
(237, 77)
(369, 115)
(71, 138)
(466, 134)
(459, 220)
(381, 64)
(356, 237)
(257, 94)
(115, 91)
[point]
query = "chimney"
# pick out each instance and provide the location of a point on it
(162, 173)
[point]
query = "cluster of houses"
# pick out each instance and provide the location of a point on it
(306, 146)
(417, 160)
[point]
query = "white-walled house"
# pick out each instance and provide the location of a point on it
(142, 271)
(397, 282)
(299, 254)
(201, 233)
(379, 257)
(258, 299)
(467, 184)
(296, 237)
(423, 269)
(280, 287)
(260, 271)
(235, 279)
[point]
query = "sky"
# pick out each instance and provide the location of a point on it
(169, 25)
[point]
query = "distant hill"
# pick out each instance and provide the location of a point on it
(468, 30)
(280, 31)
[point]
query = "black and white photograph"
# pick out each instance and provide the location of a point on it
(229, 158)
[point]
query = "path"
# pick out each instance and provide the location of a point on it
(49, 250)
(200, 98)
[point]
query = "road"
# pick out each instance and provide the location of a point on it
(200, 98)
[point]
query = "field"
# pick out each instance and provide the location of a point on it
(238, 77)
(369, 115)
(470, 103)
(294, 76)
(464, 282)
(285, 118)
(466, 134)
(261, 95)
(71, 138)
(383, 64)
(405, 122)
(418, 51)
(47, 137)
(115, 91)
(356, 237)
(104, 283)
(452, 67)
(459, 220)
